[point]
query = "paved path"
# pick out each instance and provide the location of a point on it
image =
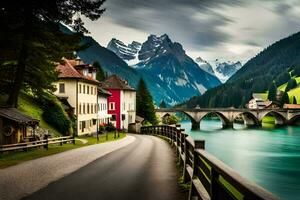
(143, 170)
(24, 179)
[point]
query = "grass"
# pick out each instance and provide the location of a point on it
(27, 105)
(268, 120)
(14, 158)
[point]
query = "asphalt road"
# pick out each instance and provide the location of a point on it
(143, 170)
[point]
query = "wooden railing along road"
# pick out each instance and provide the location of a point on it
(39, 143)
(210, 178)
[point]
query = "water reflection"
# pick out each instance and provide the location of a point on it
(269, 156)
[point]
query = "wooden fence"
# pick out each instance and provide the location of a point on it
(39, 143)
(210, 178)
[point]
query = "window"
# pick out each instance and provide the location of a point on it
(88, 89)
(92, 110)
(61, 88)
(95, 106)
(83, 89)
(79, 109)
(79, 88)
(112, 106)
(84, 108)
(88, 108)
(92, 90)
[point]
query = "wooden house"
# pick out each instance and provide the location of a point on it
(15, 127)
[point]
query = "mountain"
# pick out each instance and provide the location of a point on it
(170, 74)
(278, 62)
(128, 52)
(110, 62)
(204, 65)
(224, 70)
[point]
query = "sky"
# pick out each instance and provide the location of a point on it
(228, 30)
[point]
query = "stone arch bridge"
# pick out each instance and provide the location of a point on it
(251, 117)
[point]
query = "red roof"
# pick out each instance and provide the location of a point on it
(68, 70)
(115, 82)
(292, 106)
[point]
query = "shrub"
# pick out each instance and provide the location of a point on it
(54, 114)
(110, 127)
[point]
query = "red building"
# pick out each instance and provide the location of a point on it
(121, 103)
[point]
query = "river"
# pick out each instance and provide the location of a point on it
(269, 157)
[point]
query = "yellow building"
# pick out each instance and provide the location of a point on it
(77, 82)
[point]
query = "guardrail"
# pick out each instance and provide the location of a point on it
(39, 143)
(210, 178)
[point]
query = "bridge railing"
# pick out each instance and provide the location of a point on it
(210, 178)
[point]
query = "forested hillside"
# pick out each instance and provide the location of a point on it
(271, 65)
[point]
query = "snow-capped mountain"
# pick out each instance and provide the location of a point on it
(170, 74)
(224, 70)
(128, 53)
(203, 64)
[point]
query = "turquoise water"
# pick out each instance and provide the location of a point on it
(269, 157)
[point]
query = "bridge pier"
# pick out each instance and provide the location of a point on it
(227, 125)
(195, 125)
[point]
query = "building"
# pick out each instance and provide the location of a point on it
(122, 102)
(103, 116)
(77, 84)
(272, 105)
(258, 101)
(15, 127)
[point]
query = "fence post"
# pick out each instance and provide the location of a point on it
(46, 143)
(198, 144)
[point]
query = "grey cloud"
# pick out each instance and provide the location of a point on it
(175, 17)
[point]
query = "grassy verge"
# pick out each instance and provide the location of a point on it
(14, 158)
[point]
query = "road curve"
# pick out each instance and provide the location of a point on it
(143, 170)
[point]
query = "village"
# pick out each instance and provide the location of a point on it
(96, 106)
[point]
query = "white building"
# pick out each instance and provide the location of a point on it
(103, 116)
(258, 101)
(77, 82)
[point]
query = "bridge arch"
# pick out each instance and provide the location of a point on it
(226, 123)
(295, 120)
(249, 118)
(280, 119)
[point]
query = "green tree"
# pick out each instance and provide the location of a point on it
(291, 84)
(101, 75)
(272, 92)
(172, 119)
(162, 104)
(32, 42)
(285, 98)
(294, 100)
(144, 103)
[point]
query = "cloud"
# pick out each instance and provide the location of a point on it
(191, 21)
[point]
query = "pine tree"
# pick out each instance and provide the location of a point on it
(291, 84)
(294, 100)
(285, 99)
(272, 92)
(162, 104)
(144, 103)
(32, 43)
(101, 75)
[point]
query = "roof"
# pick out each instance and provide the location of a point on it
(65, 103)
(269, 103)
(103, 91)
(115, 82)
(68, 70)
(139, 119)
(262, 96)
(15, 115)
(292, 106)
